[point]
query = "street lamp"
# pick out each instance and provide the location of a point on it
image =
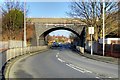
(25, 42)
(103, 27)
(103, 31)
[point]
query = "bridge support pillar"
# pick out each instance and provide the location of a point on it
(41, 42)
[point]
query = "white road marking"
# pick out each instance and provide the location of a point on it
(88, 71)
(61, 60)
(75, 68)
(80, 68)
(56, 55)
(109, 77)
(97, 77)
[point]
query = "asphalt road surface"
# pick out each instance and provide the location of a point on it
(62, 64)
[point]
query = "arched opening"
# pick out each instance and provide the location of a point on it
(60, 28)
(80, 38)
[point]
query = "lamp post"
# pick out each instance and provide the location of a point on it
(103, 27)
(25, 42)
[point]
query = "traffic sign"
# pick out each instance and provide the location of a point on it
(91, 30)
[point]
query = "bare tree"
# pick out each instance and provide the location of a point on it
(91, 14)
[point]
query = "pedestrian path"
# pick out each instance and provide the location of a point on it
(106, 59)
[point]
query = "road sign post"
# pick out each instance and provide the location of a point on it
(91, 32)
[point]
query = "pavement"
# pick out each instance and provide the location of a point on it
(106, 59)
(62, 64)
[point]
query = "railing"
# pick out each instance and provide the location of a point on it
(15, 52)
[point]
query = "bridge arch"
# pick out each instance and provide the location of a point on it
(44, 26)
(80, 40)
(42, 39)
(59, 28)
